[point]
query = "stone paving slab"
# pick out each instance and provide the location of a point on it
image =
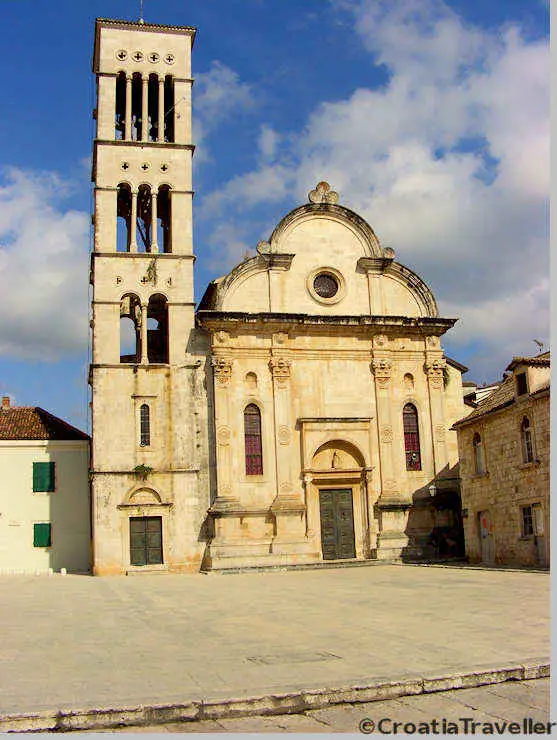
(80, 642)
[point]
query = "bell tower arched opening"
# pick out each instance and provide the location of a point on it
(157, 329)
(130, 329)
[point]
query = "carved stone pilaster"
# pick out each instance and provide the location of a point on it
(280, 370)
(381, 368)
(222, 368)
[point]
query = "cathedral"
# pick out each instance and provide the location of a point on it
(302, 413)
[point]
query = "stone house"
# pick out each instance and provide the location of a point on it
(504, 468)
(303, 413)
(44, 497)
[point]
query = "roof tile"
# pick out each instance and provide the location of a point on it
(32, 422)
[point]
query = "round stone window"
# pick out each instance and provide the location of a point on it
(325, 285)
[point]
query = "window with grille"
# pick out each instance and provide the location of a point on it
(479, 458)
(252, 436)
(42, 534)
(527, 444)
(411, 437)
(144, 425)
(44, 477)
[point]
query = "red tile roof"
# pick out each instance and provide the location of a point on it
(501, 397)
(542, 360)
(32, 422)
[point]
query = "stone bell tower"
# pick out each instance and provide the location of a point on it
(149, 415)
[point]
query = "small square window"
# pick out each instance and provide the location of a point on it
(521, 384)
(42, 534)
(44, 477)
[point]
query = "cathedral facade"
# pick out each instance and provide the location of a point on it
(302, 414)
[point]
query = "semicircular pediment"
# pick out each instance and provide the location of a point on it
(337, 454)
(143, 496)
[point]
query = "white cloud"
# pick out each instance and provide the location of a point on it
(218, 94)
(448, 161)
(268, 143)
(43, 268)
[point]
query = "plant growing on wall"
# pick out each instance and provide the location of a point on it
(142, 471)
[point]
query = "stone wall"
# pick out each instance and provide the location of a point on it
(509, 484)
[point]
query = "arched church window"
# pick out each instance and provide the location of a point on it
(252, 436)
(144, 425)
(411, 437)
(527, 441)
(479, 456)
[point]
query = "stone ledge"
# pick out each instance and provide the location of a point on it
(270, 704)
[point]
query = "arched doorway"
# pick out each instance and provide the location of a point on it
(339, 500)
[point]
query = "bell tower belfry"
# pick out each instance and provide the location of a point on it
(149, 416)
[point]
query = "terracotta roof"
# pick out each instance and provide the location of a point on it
(501, 397)
(32, 422)
(498, 399)
(542, 360)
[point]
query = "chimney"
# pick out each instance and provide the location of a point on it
(5, 402)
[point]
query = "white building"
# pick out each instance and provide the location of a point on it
(44, 495)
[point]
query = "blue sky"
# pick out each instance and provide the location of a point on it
(430, 118)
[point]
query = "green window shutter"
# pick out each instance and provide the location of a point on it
(43, 477)
(42, 535)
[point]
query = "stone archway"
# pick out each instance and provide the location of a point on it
(337, 501)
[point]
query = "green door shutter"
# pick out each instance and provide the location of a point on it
(42, 536)
(43, 477)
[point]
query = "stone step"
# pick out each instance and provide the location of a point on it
(324, 565)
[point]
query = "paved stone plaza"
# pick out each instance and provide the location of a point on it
(78, 642)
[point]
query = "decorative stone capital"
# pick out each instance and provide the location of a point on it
(280, 370)
(434, 370)
(308, 477)
(222, 368)
(221, 337)
(381, 368)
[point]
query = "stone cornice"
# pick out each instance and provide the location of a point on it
(217, 319)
